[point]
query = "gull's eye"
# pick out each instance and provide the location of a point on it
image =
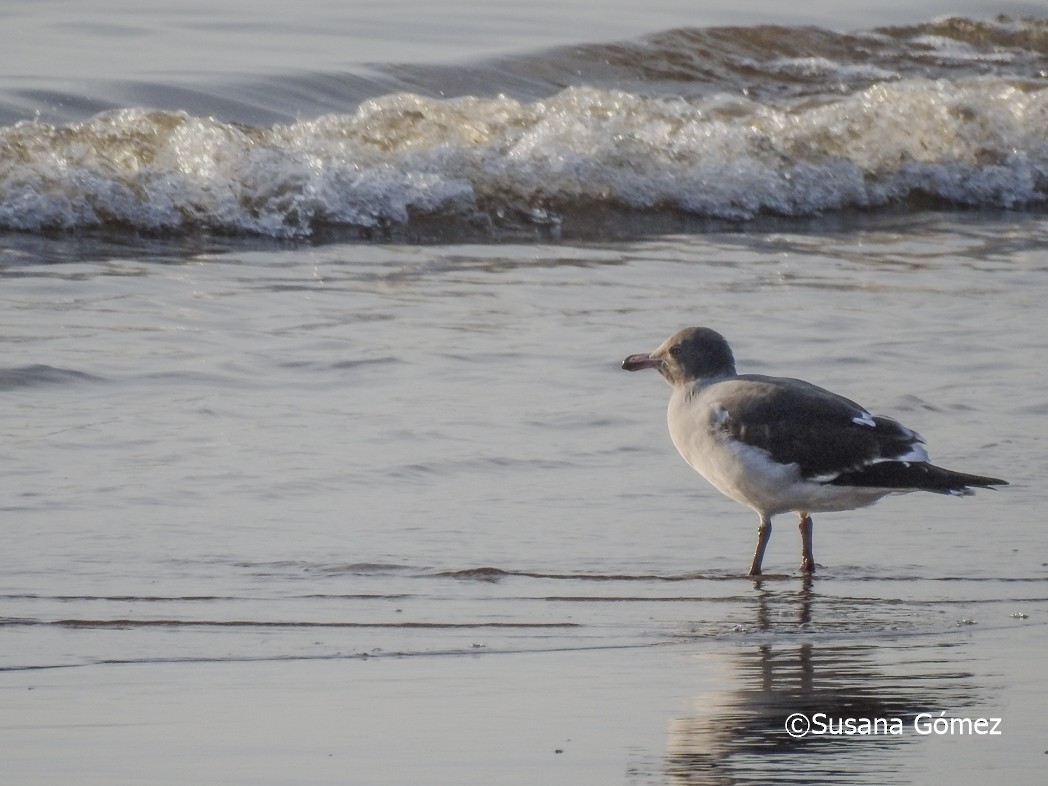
(675, 351)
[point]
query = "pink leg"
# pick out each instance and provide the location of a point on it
(807, 557)
(763, 536)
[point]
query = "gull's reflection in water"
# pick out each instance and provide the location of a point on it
(738, 735)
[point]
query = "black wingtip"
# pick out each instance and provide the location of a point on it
(916, 476)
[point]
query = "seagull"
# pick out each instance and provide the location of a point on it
(777, 444)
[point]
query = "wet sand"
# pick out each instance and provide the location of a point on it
(689, 708)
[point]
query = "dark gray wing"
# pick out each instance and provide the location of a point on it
(916, 475)
(824, 434)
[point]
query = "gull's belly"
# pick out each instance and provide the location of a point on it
(743, 473)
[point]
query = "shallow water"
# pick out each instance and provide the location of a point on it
(397, 508)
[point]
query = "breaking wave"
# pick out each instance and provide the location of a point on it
(953, 115)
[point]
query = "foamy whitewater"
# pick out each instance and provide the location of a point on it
(726, 124)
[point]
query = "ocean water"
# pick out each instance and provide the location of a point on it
(320, 466)
(653, 134)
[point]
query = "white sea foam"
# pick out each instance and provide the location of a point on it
(823, 69)
(979, 142)
(951, 50)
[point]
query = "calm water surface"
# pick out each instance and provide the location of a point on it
(406, 491)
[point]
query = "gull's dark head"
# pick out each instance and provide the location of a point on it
(688, 355)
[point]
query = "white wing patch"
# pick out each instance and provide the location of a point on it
(864, 418)
(826, 477)
(916, 453)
